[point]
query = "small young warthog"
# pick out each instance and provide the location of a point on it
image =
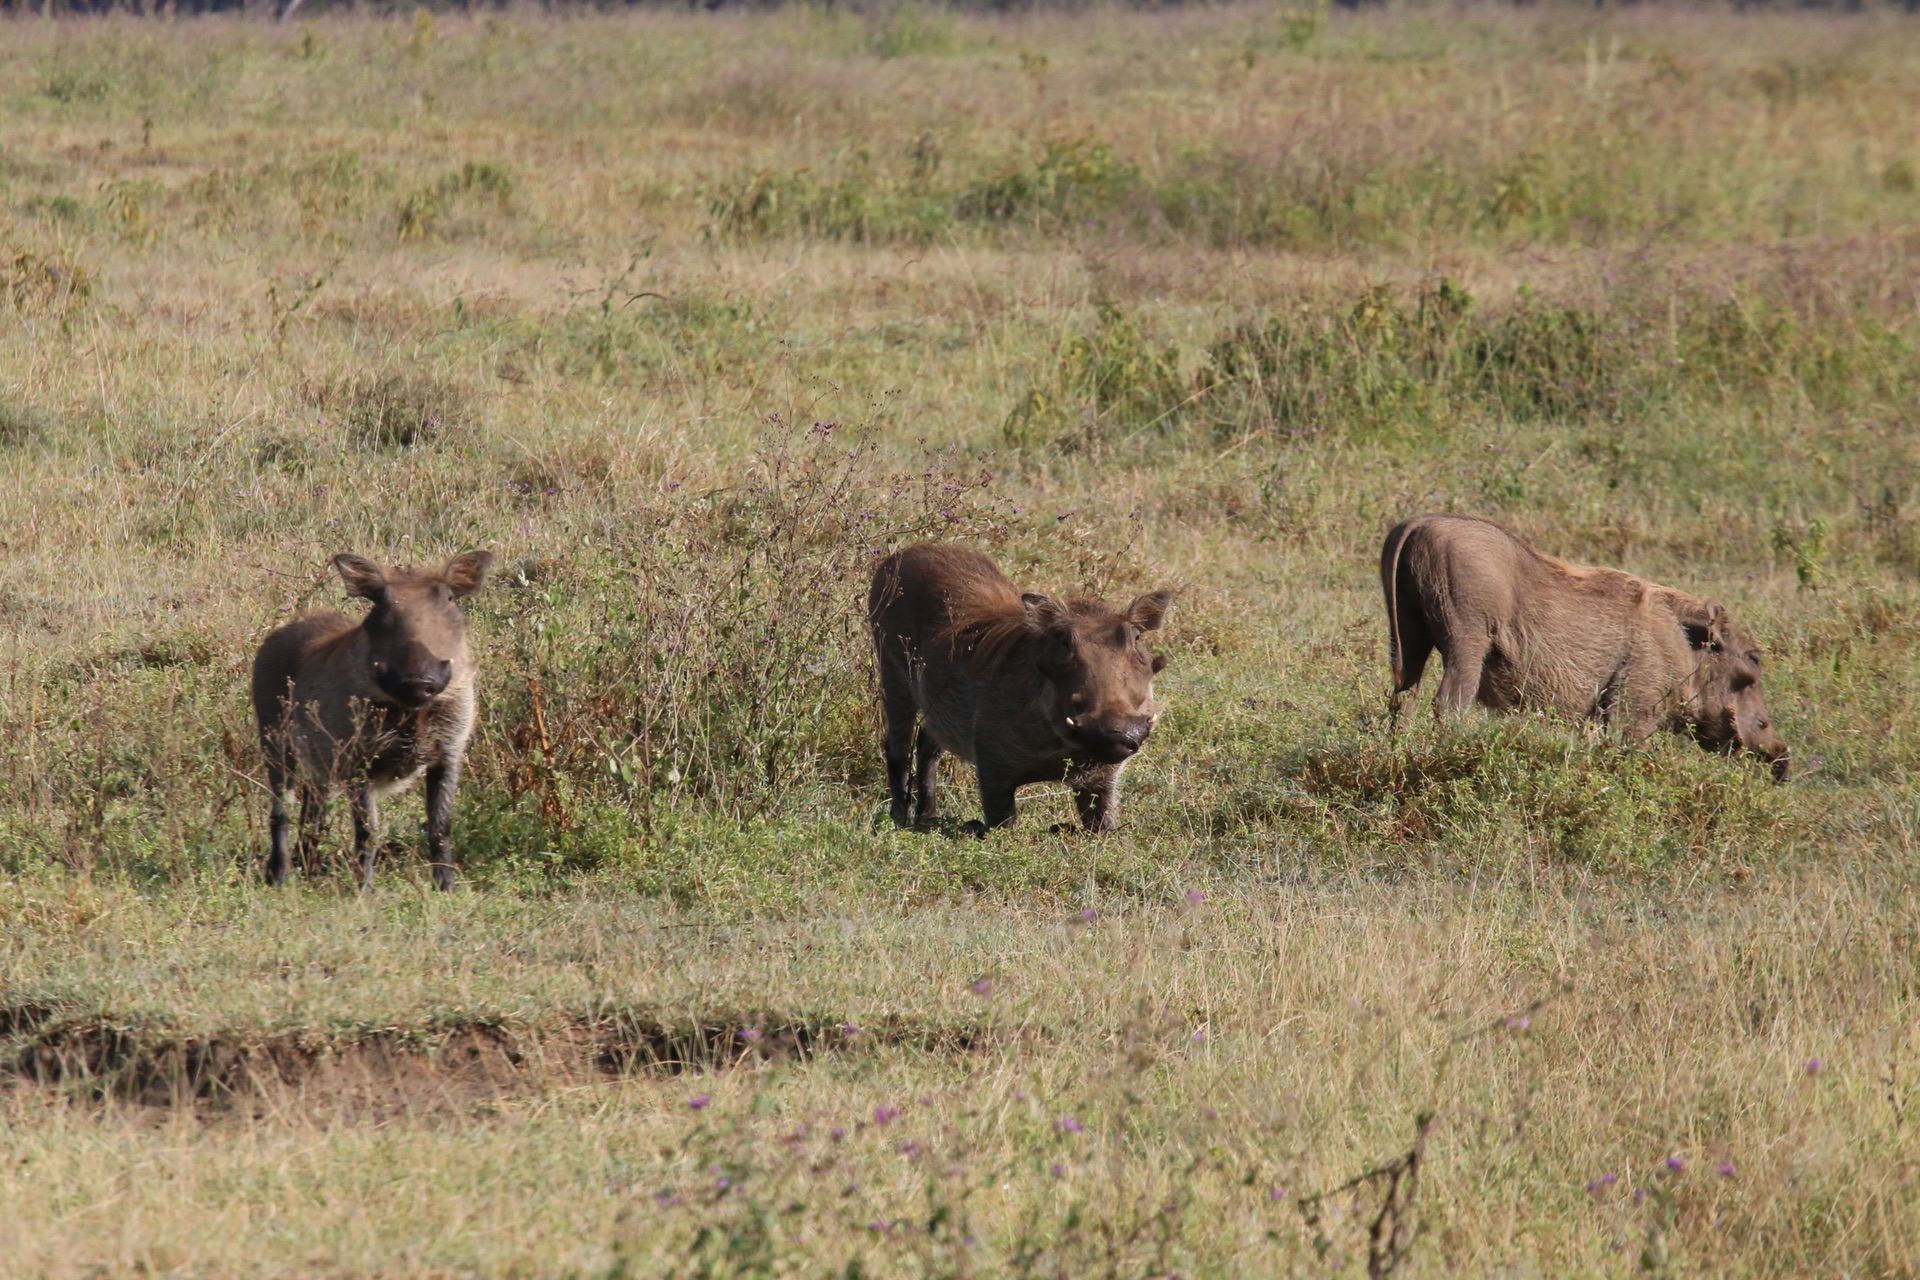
(1518, 629)
(370, 706)
(1023, 687)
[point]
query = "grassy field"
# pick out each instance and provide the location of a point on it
(687, 317)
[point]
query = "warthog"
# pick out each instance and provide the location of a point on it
(1023, 687)
(1518, 629)
(369, 706)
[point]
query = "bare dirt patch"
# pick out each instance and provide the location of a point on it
(455, 1062)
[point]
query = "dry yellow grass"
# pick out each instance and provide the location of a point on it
(405, 286)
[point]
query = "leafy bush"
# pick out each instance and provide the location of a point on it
(864, 198)
(1111, 379)
(1384, 367)
(856, 201)
(720, 656)
(1072, 179)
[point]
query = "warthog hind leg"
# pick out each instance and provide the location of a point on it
(1460, 686)
(896, 704)
(277, 826)
(926, 778)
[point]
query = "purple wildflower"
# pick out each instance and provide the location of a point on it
(698, 1101)
(1724, 1168)
(884, 1116)
(1675, 1164)
(1067, 1124)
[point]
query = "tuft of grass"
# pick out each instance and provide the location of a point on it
(1531, 790)
(44, 284)
(394, 410)
(428, 209)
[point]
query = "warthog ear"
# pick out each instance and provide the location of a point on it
(1044, 613)
(362, 576)
(1149, 611)
(1706, 624)
(467, 573)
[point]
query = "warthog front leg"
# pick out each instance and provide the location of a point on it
(442, 781)
(313, 825)
(997, 806)
(1096, 797)
(366, 831)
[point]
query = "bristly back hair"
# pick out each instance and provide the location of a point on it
(992, 632)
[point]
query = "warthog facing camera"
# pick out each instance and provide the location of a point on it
(1025, 688)
(369, 706)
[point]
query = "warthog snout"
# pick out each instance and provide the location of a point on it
(415, 682)
(1109, 739)
(1782, 764)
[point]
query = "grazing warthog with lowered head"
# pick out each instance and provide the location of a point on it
(1025, 688)
(1518, 629)
(369, 706)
